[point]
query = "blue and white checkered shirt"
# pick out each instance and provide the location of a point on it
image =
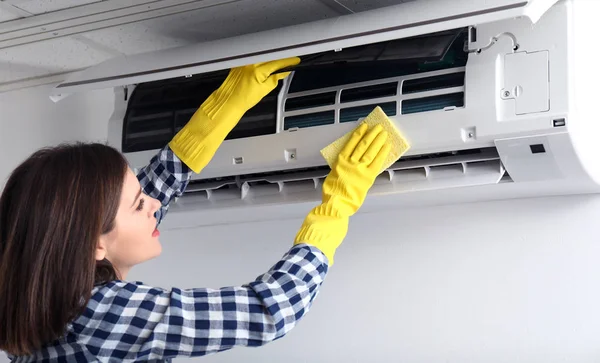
(127, 322)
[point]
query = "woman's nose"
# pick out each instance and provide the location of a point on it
(155, 206)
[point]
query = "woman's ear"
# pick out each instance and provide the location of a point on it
(101, 250)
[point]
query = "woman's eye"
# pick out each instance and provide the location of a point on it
(141, 205)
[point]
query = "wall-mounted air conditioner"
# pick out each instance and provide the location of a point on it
(484, 90)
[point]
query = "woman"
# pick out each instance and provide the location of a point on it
(74, 219)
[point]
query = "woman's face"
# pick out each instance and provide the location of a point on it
(135, 237)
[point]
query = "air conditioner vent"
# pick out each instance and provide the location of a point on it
(422, 172)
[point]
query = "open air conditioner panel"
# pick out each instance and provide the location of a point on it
(423, 48)
(364, 77)
(400, 21)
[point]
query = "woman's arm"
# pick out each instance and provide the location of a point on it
(127, 321)
(164, 179)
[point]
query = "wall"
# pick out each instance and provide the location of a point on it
(30, 120)
(495, 282)
(491, 282)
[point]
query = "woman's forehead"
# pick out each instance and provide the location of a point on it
(131, 187)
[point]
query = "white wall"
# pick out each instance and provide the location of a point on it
(496, 282)
(492, 282)
(30, 120)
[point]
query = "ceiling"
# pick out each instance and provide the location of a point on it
(42, 40)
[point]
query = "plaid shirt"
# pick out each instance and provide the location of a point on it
(126, 322)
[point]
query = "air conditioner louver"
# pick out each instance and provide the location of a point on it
(424, 172)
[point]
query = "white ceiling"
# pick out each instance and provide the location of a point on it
(98, 30)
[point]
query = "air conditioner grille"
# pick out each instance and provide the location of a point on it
(433, 83)
(424, 92)
(354, 113)
(422, 172)
(369, 92)
(439, 102)
(299, 103)
(310, 120)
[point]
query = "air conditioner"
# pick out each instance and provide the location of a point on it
(491, 94)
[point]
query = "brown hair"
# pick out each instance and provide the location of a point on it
(53, 210)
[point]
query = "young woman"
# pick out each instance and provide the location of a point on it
(74, 220)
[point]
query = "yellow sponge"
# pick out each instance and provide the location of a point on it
(377, 116)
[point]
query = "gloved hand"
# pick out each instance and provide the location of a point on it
(196, 143)
(345, 189)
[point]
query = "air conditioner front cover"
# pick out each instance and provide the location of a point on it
(399, 21)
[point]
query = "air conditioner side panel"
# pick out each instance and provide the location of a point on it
(583, 83)
(542, 158)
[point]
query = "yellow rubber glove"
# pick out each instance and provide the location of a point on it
(345, 189)
(196, 143)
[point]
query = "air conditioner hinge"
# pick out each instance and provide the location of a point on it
(493, 40)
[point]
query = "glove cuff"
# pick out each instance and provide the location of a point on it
(189, 148)
(323, 232)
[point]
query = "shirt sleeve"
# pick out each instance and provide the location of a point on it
(146, 323)
(165, 179)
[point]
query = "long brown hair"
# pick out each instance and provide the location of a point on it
(53, 210)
